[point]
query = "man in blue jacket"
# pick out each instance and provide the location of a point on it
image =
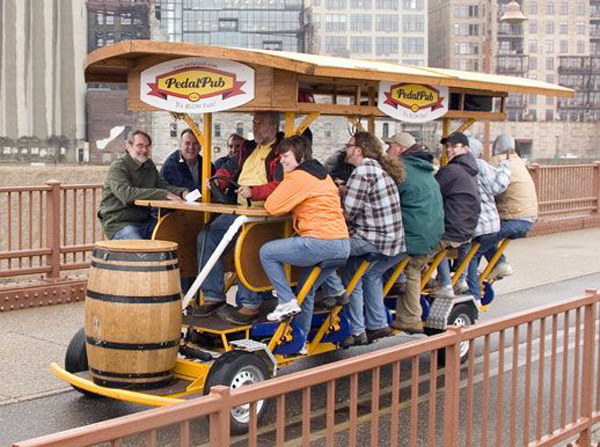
(183, 167)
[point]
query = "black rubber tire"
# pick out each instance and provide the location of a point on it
(76, 358)
(462, 314)
(229, 370)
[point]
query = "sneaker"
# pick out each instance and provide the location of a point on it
(325, 303)
(284, 310)
(500, 271)
(303, 350)
(410, 328)
(376, 334)
(355, 340)
(444, 292)
(461, 287)
(208, 308)
(342, 299)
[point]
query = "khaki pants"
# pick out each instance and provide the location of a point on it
(408, 307)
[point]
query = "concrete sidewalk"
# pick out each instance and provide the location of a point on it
(32, 338)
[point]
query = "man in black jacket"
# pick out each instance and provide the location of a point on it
(462, 203)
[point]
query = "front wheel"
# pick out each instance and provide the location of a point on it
(236, 369)
(462, 315)
(76, 359)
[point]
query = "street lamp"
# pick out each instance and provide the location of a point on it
(512, 14)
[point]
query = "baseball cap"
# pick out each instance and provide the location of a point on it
(455, 138)
(404, 139)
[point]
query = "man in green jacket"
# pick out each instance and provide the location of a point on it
(133, 176)
(423, 219)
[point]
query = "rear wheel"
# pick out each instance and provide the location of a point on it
(236, 369)
(76, 358)
(462, 315)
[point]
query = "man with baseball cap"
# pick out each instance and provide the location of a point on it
(462, 202)
(399, 142)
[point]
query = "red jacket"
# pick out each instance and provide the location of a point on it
(233, 167)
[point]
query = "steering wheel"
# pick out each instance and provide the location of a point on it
(226, 196)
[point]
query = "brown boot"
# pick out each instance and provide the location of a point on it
(410, 328)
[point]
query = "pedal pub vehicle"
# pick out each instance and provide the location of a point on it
(136, 345)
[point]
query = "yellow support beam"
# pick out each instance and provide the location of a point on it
(465, 262)
(395, 274)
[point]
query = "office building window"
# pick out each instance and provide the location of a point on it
(549, 46)
(564, 28)
(416, 5)
(335, 4)
(228, 25)
(580, 28)
(580, 8)
(361, 44)
(125, 18)
(533, 8)
(532, 63)
(564, 8)
(412, 23)
(533, 46)
(360, 22)
(386, 4)
(413, 45)
(335, 22)
(334, 43)
(580, 47)
(386, 45)
(386, 22)
(550, 27)
(532, 27)
(549, 63)
(109, 18)
(273, 45)
(549, 114)
(465, 11)
(361, 4)
(100, 18)
(549, 8)
(564, 47)
(466, 29)
(466, 48)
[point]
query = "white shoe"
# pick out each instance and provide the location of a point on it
(303, 350)
(500, 271)
(461, 287)
(284, 310)
(444, 292)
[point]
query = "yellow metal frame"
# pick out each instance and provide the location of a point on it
(395, 274)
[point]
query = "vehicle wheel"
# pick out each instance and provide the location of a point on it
(236, 369)
(76, 358)
(462, 315)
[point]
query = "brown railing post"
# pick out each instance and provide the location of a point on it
(587, 376)
(220, 435)
(597, 185)
(534, 170)
(451, 389)
(53, 227)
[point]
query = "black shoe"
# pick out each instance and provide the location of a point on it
(236, 317)
(208, 308)
(355, 340)
(342, 300)
(325, 303)
(378, 333)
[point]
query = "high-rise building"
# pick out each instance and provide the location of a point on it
(461, 30)
(391, 30)
(42, 88)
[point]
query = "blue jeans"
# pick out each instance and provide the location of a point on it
(445, 278)
(214, 284)
(471, 274)
(136, 231)
(299, 251)
(366, 308)
(509, 229)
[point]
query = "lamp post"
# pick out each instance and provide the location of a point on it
(512, 14)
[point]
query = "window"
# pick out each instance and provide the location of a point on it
(228, 25)
(532, 100)
(335, 22)
(549, 63)
(272, 45)
(386, 4)
(564, 47)
(533, 63)
(550, 27)
(564, 8)
(549, 8)
(334, 44)
(532, 27)
(413, 45)
(361, 4)
(360, 44)
(110, 18)
(533, 9)
(466, 29)
(466, 48)
(173, 130)
(580, 47)
(413, 23)
(466, 11)
(386, 45)
(416, 62)
(550, 79)
(549, 46)
(217, 130)
(239, 128)
(580, 28)
(126, 18)
(110, 37)
(416, 5)
(360, 22)
(580, 9)
(386, 22)
(335, 4)
(100, 18)
(533, 46)
(549, 114)
(99, 39)
(564, 28)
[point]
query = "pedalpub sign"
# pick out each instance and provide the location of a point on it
(413, 103)
(197, 85)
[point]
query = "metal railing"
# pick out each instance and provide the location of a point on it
(50, 229)
(530, 379)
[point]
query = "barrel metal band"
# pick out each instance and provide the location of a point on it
(131, 375)
(133, 256)
(129, 299)
(134, 268)
(132, 385)
(132, 346)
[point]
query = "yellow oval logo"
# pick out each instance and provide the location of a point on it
(414, 97)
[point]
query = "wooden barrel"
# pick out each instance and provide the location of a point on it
(133, 313)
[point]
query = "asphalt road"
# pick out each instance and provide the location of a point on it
(64, 409)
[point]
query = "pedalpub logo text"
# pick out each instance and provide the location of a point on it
(414, 97)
